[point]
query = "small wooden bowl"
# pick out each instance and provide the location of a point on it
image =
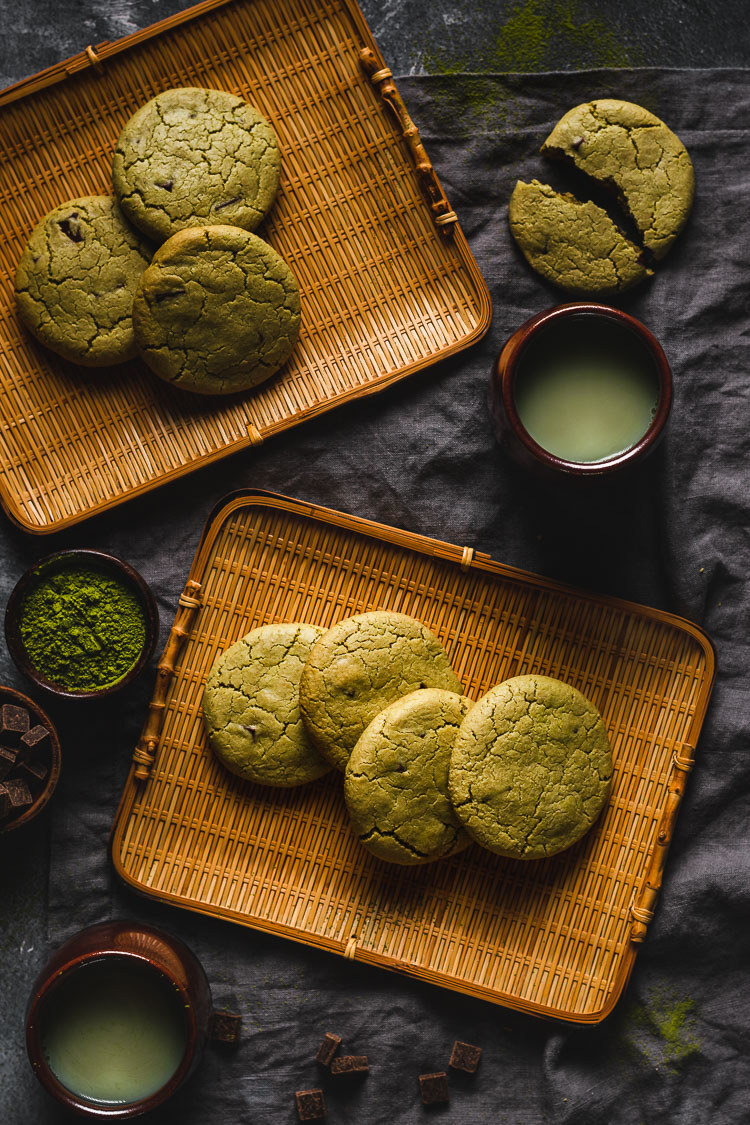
(141, 946)
(97, 560)
(52, 759)
(509, 428)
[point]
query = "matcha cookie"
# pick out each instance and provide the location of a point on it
(358, 668)
(191, 157)
(572, 244)
(396, 784)
(629, 150)
(531, 768)
(217, 311)
(76, 279)
(251, 707)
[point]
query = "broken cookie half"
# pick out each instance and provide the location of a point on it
(631, 153)
(572, 244)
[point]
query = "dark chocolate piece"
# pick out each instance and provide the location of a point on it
(14, 721)
(350, 1064)
(225, 1027)
(310, 1105)
(14, 795)
(328, 1048)
(33, 742)
(465, 1057)
(434, 1088)
(35, 770)
(7, 761)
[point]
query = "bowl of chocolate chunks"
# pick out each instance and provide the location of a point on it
(29, 759)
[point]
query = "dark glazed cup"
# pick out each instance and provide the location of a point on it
(152, 949)
(97, 560)
(508, 426)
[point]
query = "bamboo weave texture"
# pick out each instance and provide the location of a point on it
(552, 937)
(384, 293)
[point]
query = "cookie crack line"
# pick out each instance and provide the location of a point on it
(390, 834)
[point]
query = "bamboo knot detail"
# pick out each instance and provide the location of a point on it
(94, 59)
(641, 914)
(350, 949)
(682, 763)
(467, 557)
(188, 602)
(381, 75)
(448, 217)
(254, 434)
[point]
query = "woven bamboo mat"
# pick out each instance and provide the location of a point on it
(386, 290)
(556, 937)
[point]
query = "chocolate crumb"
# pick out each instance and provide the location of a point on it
(72, 228)
(226, 1027)
(328, 1048)
(7, 760)
(14, 721)
(433, 1088)
(465, 1057)
(310, 1105)
(350, 1064)
(576, 143)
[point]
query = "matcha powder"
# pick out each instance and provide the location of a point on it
(82, 629)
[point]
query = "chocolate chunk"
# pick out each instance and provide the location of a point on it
(225, 1027)
(7, 760)
(350, 1064)
(328, 1048)
(14, 796)
(35, 770)
(310, 1105)
(465, 1057)
(14, 721)
(33, 742)
(434, 1088)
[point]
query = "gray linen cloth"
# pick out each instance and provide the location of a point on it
(423, 457)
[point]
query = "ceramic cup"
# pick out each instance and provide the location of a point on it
(151, 969)
(535, 356)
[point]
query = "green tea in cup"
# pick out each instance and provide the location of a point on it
(114, 1031)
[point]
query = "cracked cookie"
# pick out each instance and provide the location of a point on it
(629, 150)
(360, 666)
(531, 768)
(572, 244)
(190, 157)
(396, 783)
(251, 707)
(217, 311)
(76, 279)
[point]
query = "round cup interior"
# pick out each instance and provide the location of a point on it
(93, 560)
(535, 367)
(67, 1007)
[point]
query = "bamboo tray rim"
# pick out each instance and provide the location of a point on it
(248, 499)
(94, 57)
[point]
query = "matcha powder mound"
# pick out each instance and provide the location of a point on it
(82, 629)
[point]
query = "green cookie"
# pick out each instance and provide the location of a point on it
(531, 768)
(251, 707)
(631, 151)
(572, 244)
(358, 668)
(191, 157)
(76, 279)
(217, 311)
(396, 784)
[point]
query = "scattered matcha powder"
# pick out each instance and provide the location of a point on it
(670, 1019)
(538, 35)
(82, 629)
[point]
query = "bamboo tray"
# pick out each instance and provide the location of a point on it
(387, 280)
(555, 937)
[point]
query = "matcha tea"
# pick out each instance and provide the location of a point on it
(114, 1031)
(586, 389)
